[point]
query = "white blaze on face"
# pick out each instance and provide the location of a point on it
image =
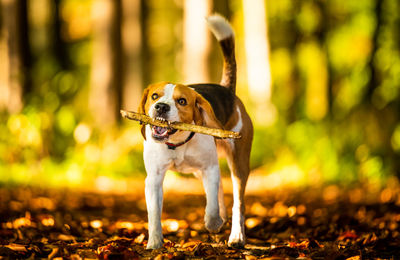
(167, 98)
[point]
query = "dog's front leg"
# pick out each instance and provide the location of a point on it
(154, 201)
(156, 164)
(211, 182)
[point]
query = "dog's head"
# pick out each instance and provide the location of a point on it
(175, 102)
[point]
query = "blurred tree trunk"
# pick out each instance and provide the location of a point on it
(222, 7)
(132, 46)
(163, 39)
(196, 41)
(41, 18)
(315, 73)
(10, 58)
(144, 55)
(257, 59)
(117, 57)
(374, 80)
(322, 34)
(397, 102)
(4, 62)
(215, 57)
(59, 45)
(103, 96)
(295, 86)
(25, 48)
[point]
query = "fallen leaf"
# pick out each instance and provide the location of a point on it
(66, 237)
(191, 244)
(348, 235)
(139, 239)
(17, 247)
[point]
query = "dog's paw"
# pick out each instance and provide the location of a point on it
(155, 243)
(237, 240)
(213, 223)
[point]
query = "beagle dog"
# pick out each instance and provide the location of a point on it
(209, 105)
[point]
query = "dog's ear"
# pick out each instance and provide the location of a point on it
(197, 117)
(142, 110)
(204, 114)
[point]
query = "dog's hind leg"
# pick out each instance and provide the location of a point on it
(238, 157)
(221, 203)
(239, 174)
(222, 208)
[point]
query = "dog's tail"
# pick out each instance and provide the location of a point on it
(223, 31)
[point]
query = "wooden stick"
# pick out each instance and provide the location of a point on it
(180, 126)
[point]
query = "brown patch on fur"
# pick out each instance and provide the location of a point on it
(147, 101)
(244, 143)
(234, 118)
(186, 112)
(197, 108)
(207, 112)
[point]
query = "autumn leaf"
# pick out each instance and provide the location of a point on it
(351, 235)
(281, 226)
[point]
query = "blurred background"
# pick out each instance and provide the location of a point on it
(320, 79)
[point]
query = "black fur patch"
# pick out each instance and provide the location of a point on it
(220, 98)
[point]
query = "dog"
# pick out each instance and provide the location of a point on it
(211, 105)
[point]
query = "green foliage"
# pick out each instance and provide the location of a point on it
(336, 90)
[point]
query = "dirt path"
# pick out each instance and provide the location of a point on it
(324, 223)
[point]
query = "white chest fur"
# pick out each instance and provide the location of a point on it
(196, 155)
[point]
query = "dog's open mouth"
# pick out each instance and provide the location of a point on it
(162, 133)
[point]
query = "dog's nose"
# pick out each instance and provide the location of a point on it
(162, 108)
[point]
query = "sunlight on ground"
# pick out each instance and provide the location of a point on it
(259, 181)
(286, 175)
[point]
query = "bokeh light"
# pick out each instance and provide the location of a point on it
(319, 79)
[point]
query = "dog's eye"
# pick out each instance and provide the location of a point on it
(154, 96)
(182, 102)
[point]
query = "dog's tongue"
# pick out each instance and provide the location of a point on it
(160, 130)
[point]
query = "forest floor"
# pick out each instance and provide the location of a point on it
(315, 223)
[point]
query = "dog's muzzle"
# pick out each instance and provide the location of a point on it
(161, 133)
(161, 109)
